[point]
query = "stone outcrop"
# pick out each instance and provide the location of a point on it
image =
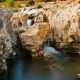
(66, 29)
(7, 38)
(58, 24)
(32, 38)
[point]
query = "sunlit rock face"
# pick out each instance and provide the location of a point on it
(34, 37)
(19, 20)
(65, 22)
(7, 41)
(58, 23)
(34, 34)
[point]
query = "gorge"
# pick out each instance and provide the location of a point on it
(48, 36)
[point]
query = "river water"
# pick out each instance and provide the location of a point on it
(31, 69)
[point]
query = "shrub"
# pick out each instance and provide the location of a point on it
(31, 2)
(39, 6)
(2, 0)
(10, 2)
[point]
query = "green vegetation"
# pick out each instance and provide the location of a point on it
(10, 2)
(2, 0)
(17, 3)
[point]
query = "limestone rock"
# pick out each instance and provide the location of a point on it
(33, 38)
(19, 20)
(59, 24)
(65, 25)
(40, 17)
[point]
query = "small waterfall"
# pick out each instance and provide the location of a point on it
(31, 11)
(53, 52)
(30, 22)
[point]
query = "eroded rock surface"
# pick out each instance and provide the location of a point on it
(7, 38)
(32, 37)
(66, 29)
(58, 24)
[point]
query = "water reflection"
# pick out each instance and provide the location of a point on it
(29, 69)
